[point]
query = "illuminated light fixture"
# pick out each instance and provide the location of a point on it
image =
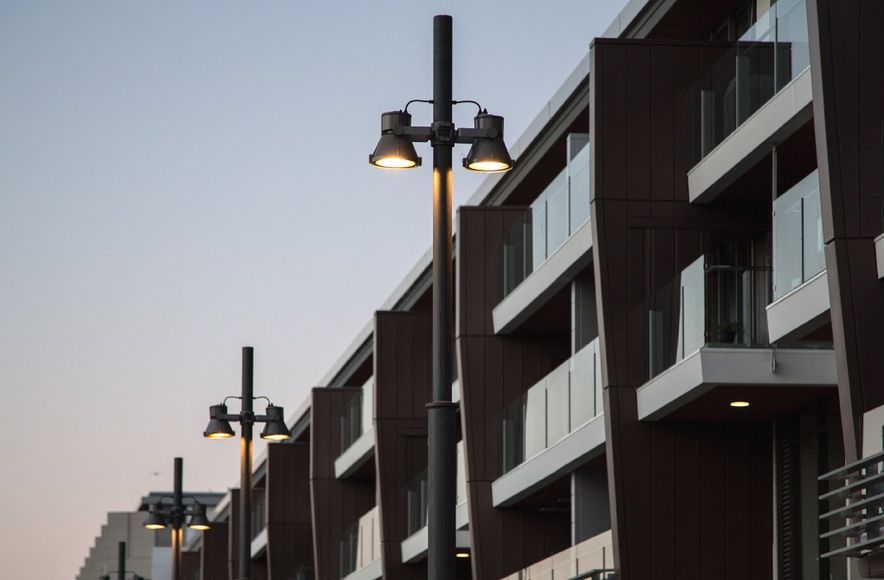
(155, 519)
(739, 404)
(394, 149)
(198, 521)
(462, 555)
(218, 427)
(275, 429)
(488, 154)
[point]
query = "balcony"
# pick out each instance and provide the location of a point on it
(757, 94)
(800, 290)
(704, 332)
(414, 547)
(592, 559)
(854, 521)
(556, 215)
(552, 428)
(361, 549)
(357, 432)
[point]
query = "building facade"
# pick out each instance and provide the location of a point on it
(667, 330)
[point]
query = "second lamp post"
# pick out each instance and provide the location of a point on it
(274, 430)
(489, 154)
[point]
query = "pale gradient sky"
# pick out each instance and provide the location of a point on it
(181, 178)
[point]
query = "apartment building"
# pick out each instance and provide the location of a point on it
(668, 351)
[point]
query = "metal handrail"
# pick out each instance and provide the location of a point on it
(594, 574)
(843, 472)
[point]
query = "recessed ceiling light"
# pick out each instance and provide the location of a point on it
(740, 404)
(463, 554)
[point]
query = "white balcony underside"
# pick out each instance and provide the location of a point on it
(545, 282)
(414, 547)
(259, 543)
(355, 456)
(787, 111)
(371, 571)
(711, 367)
(557, 460)
(801, 311)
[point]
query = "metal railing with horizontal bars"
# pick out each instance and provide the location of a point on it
(854, 509)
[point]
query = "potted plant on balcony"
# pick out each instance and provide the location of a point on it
(727, 332)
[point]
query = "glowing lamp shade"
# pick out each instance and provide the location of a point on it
(394, 151)
(218, 427)
(489, 154)
(198, 521)
(739, 404)
(155, 520)
(275, 429)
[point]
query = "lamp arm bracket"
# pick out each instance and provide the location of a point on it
(230, 417)
(224, 402)
(468, 101)
(428, 101)
(261, 419)
(470, 134)
(417, 134)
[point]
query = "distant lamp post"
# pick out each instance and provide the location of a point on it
(161, 516)
(219, 427)
(488, 154)
(121, 565)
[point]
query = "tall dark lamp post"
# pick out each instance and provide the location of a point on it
(274, 430)
(162, 516)
(489, 154)
(121, 565)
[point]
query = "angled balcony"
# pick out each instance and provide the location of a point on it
(554, 427)
(800, 286)
(550, 244)
(361, 549)
(592, 559)
(755, 96)
(357, 433)
(706, 341)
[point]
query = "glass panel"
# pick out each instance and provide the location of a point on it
(767, 56)
(582, 385)
(535, 420)
(578, 188)
(693, 309)
(461, 475)
(814, 248)
(517, 253)
(557, 218)
(557, 403)
(513, 434)
(367, 405)
(787, 242)
(538, 233)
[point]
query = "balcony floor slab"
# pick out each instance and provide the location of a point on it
(801, 311)
(739, 370)
(355, 456)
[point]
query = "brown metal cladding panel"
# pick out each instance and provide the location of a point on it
(847, 55)
(213, 555)
(403, 381)
(336, 504)
(289, 535)
(493, 372)
(191, 565)
(682, 494)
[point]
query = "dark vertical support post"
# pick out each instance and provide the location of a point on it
(177, 520)
(441, 417)
(245, 474)
(121, 560)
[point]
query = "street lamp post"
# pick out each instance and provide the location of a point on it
(161, 516)
(488, 153)
(274, 430)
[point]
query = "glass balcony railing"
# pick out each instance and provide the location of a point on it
(708, 305)
(592, 559)
(357, 416)
(556, 214)
(416, 498)
(798, 252)
(361, 543)
(561, 402)
(766, 58)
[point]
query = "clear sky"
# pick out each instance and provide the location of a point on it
(179, 179)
